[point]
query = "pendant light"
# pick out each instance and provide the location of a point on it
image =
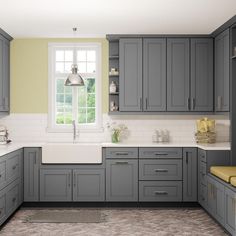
(74, 79)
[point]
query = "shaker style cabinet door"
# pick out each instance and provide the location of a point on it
(32, 158)
(130, 66)
(202, 85)
(178, 94)
(222, 71)
(190, 175)
(154, 74)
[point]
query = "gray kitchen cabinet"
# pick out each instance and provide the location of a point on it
(189, 174)
(4, 74)
(215, 199)
(130, 66)
(32, 160)
(121, 180)
(89, 185)
(55, 185)
(222, 74)
(154, 74)
(202, 85)
(178, 77)
(21, 176)
(230, 210)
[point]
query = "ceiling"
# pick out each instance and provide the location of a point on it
(96, 18)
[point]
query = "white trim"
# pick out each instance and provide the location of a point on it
(52, 127)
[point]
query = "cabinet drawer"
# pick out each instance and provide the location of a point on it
(202, 154)
(203, 178)
(3, 174)
(203, 168)
(12, 196)
(203, 194)
(2, 206)
(121, 152)
(12, 166)
(163, 191)
(160, 169)
(160, 153)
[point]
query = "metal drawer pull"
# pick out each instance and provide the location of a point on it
(122, 162)
(14, 167)
(74, 179)
(161, 192)
(69, 180)
(161, 154)
(161, 170)
(122, 153)
(13, 199)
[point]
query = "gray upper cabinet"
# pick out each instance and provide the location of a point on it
(222, 71)
(202, 74)
(55, 185)
(178, 94)
(32, 159)
(154, 74)
(121, 180)
(130, 64)
(189, 174)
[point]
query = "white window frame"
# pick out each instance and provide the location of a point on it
(52, 126)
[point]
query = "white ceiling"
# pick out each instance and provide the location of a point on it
(96, 18)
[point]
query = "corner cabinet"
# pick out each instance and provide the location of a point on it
(222, 74)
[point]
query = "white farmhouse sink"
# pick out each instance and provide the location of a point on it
(79, 153)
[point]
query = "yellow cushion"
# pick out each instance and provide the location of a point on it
(233, 181)
(224, 172)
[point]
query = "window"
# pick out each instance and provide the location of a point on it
(66, 103)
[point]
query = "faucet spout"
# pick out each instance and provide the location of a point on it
(74, 130)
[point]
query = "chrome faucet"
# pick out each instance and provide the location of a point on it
(74, 130)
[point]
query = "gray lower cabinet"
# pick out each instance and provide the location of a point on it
(32, 160)
(89, 185)
(178, 74)
(122, 180)
(55, 185)
(162, 191)
(189, 174)
(202, 85)
(130, 81)
(222, 72)
(154, 74)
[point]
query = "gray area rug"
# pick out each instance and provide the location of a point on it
(60, 216)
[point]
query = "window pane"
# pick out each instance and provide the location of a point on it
(68, 89)
(59, 55)
(91, 100)
(91, 115)
(60, 86)
(68, 118)
(68, 67)
(91, 67)
(91, 56)
(68, 99)
(60, 99)
(82, 116)
(60, 118)
(81, 97)
(81, 55)
(82, 67)
(59, 67)
(60, 109)
(90, 83)
(69, 56)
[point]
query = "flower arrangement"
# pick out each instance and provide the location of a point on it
(116, 131)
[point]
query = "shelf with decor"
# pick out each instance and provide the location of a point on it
(113, 76)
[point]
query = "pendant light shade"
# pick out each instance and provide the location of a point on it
(74, 79)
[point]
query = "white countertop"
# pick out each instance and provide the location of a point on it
(7, 148)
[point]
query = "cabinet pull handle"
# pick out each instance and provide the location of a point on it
(13, 199)
(35, 161)
(14, 167)
(160, 192)
(161, 170)
(69, 179)
(187, 158)
(146, 103)
(161, 154)
(122, 153)
(74, 178)
(122, 162)
(219, 102)
(3, 103)
(0, 175)
(193, 104)
(188, 104)
(141, 103)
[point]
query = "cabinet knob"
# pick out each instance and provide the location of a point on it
(160, 192)
(161, 170)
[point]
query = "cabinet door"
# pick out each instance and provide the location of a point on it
(219, 194)
(211, 201)
(202, 74)
(55, 185)
(89, 185)
(190, 175)
(178, 97)
(154, 74)
(230, 211)
(130, 66)
(222, 71)
(32, 159)
(121, 180)
(21, 171)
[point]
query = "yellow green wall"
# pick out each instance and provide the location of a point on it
(29, 74)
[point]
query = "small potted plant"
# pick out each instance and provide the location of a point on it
(116, 131)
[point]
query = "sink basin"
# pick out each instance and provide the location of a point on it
(72, 153)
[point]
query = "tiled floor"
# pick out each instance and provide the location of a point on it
(121, 221)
